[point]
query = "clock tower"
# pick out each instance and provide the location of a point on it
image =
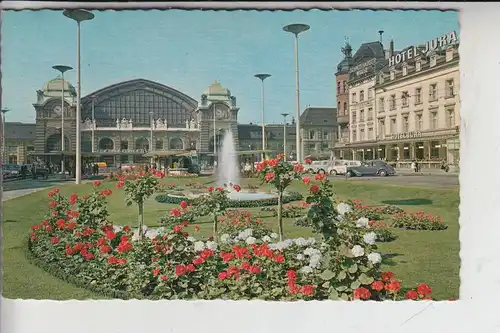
(217, 114)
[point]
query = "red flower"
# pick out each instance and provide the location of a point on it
(411, 294)
(220, 189)
(393, 286)
(60, 224)
(377, 285)
(126, 228)
(314, 189)
(184, 204)
(105, 192)
(298, 168)
(97, 183)
(73, 198)
(226, 256)
(54, 240)
(110, 235)
(190, 268)
(386, 276)
(307, 161)
(222, 276)
(123, 238)
(156, 271)
(113, 260)
(175, 212)
(196, 228)
(291, 274)
(163, 277)
(361, 293)
(210, 189)
(198, 261)
(424, 290)
(307, 290)
(105, 249)
(53, 204)
(180, 270)
(124, 247)
(237, 188)
(320, 176)
(279, 258)
(306, 180)
(101, 241)
(293, 289)
(177, 228)
(120, 184)
(270, 176)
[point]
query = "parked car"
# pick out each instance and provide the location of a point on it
(318, 166)
(371, 168)
(339, 167)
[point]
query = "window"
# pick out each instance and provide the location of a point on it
(418, 96)
(381, 103)
(370, 114)
(326, 136)
(362, 135)
(370, 133)
(123, 145)
(370, 93)
(345, 108)
(159, 145)
(451, 118)
(449, 89)
(405, 124)
(354, 97)
(344, 83)
(354, 136)
(361, 95)
(433, 92)
(338, 88)
(418, 122)
(393, 128)
(392, 102)
(381, 128)
(354, 117)
(418, 66)
(311, 135)
(362, 115)
(404, 98)
(434, 120)
(405, 70)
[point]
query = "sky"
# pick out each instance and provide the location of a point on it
(189, 50)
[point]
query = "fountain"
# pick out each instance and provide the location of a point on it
(228, 175)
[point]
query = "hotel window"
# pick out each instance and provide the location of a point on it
(418, 66)
(381, 103)
(434, 120)
(433, 92)
(311, 135)
(362, 135)
(418, 96)
(381, 128)
(392, 102)
(370, 93)
(433, 61)
(404, 98)
(405, 70)
(419, 123)
(344, 84)
(449, 89)
(362, 115)
(345, 108)
(370, 133)
(405, 124)
(354, 97)
(353, 117)
(451, 118)
(370, 114)
(392, 75)
(325, 136)
(361, 95)
(159, 145)
(354, 135)
(338, 88)
(393, 126)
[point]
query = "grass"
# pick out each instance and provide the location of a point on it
(415, 256)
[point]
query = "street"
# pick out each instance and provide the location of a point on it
(430, 181)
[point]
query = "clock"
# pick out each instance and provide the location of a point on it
(57, 110)
(219, 113)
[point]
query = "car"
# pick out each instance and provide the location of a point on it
(371, 168)
(339, 167)
(319, 166)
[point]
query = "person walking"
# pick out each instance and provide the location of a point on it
(414, 166)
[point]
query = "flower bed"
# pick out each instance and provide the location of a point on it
(287, 197)
(383, 231)
(417, 221)
(290, 210)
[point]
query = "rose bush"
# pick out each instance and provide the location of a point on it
(290, 210)
(382, 230)
(417, 221)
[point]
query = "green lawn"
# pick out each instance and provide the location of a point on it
(415, 256)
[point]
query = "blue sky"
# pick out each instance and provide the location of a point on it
(188, 50)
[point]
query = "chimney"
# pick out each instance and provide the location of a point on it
(381, 32)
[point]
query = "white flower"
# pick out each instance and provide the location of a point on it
(315, 260)
(266, 239)
(310, 251)
(250, 240)
(306, 269)
(224, 238)
(375, 258)
(300, 257)
(311, 241)
(343, 208)
(340, 218)
(212, 245)
(281, 245)
(274, 235)
(199, 246)
(357, 251)
(370, 238)
(288, 242)
(191, 239)
(272, 246)
(117, 228)
(300, 241)
(363, 222)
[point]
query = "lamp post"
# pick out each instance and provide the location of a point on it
(4, 146)
(296, 29)
(79, 15)
(93, 124)
(62, 69)
(215, 139)
(151, 135)
(262, 77)
(284, 133)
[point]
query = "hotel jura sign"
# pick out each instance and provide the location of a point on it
(436, 43)
(407, 135)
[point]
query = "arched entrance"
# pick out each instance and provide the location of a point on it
(53, 143)
(176, 144)
(142, 143)
(106, 144)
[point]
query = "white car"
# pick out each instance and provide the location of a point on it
(339, 167)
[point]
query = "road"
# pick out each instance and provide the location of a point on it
(429, 181)
(21, 188)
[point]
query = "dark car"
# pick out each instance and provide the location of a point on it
(371, 168)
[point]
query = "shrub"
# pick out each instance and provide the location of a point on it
(382, 230)
(362, 210)
(417, 221)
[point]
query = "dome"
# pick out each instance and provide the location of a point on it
(217, 90)
(55, 85)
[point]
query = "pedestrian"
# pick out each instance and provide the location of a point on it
(414, 166)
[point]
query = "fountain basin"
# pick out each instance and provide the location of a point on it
(236, 199)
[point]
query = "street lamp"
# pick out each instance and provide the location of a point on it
(4, 146)
(151, 135)
(79, 15)
(62, 69)
(262, 77)
(296, 29)
(284, 133)
(93, 123)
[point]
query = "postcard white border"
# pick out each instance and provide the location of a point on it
(479, 220)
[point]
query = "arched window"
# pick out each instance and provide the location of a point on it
(338, 88)
(106, 144)
(54, 143)
(142, 143)
(176, 144)
(345, 108)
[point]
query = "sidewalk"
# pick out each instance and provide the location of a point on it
(425, 172)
